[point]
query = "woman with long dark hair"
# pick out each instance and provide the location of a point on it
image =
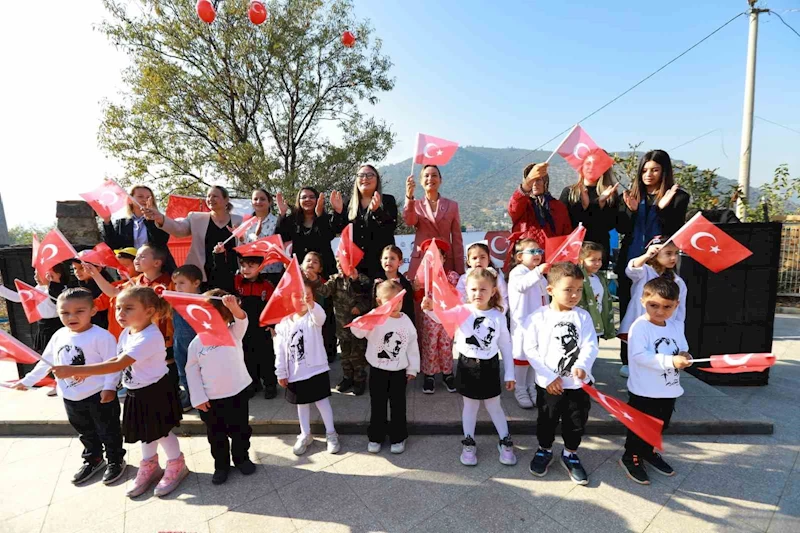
(267, 225)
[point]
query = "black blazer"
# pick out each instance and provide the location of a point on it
(317, 238)
(120, 234)
(372, 232)
(597, 221)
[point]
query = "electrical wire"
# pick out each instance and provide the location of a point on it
(695, 139)
(784, 22)
(779, 125)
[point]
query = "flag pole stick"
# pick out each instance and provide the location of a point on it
(414, 155)
(198, 297)
(561, 143)
(233, 233)
(681, 229)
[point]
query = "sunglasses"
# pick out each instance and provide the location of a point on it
(533, 251)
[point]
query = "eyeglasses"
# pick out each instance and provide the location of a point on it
(366, 175)
(533, 251)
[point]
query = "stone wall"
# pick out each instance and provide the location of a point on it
(77, 221)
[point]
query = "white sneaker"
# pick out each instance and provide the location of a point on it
(523, 398)
(302, 444)
(333, 442)
(506, 449)
(374, 447)
(623, 371)
(398, 447)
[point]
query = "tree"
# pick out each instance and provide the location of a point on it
(243, 104)
(21, 235)
(781, 196)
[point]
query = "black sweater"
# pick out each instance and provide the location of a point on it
(597, 221)
(317, 238)
(372, 232)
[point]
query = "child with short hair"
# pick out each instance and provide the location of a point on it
(596, 298)
(478, 256)
(527, 292)
(218, 381)
(560, 343)
(91, 403)
(393, 354)
(53, 283)
(657, 351)
(187, 279)
(479, 341)
(391, 260)
(301, 366)
(83, 279)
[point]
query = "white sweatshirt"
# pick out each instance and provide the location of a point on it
(215, 372)
(527, 292)
(502, 287)
(299, 348)
(48, 307)
(95, 345)
(149, 353)
(640, 276)
(650, 351)
(483, 335)
(392, 345)
(555, 342)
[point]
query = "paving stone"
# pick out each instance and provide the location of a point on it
(265, 513)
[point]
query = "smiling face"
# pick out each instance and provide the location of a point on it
(249, 269)
(261, 203)
(587, 170)
(431, 180)
(367, 180)
(80, 272)
(76, 314)
(145, 261)
(142, 195)
(531, 256)
(307, 200)
(216, 200)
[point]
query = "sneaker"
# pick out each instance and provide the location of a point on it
(428, 385)
(220, 476)
(634, 469)
(469, 452)
(186, 402)
(450, 382)
(173, 475)
(575, 469)
(660, 465)
(270, 392)
(359, 388)
(374, 447)
(344, 385)
(398, 447)
(113, 472)
(506, 449)
(246, 467)
(52, 392)
(523, 398)
(149, 472)
(541, 462)
(332, 439)
(88, 470)
(623, 371)
(532, 394)
(302, 444)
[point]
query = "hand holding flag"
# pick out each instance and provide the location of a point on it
(348, 254)
(202, 316)
(107, 199)
(379, 315)
(270, 248)
(242, 228)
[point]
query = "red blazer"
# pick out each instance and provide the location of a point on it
(523, 219)
(445, 225)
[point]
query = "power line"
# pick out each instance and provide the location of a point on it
(779, 125)
(695, 139)
(784, 22)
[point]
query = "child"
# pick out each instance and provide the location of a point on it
(393, 354)
(527, 292)
(126, 256)
(91, 403)
(54, 283)
(152, 408)
(302, 368)
(657, 348)
(218, 381)
(479, 341)
(188, 279)
(658, 260)
(478, 256)
(560, 343)
(83, 279)
(391, 259)
(595, 298)
(311, 266)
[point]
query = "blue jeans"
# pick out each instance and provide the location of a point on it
(183, 334)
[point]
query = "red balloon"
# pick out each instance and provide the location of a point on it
(257, 12)
(348, 39)
(206, 11)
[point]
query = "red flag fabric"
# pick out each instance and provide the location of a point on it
(30, 298)
(718, 252)
(101, 255)
(446, 300)
(14, 350)
(433, 150)
(283, 301)
(202, 316)
(348, 254)
(53, 249)
(239, 231)
(179, 207)
(270, 248)
(648, 428)
(740, 363)
(559, 249)
(379, 315)
(107, 199)
(46, 381)
(34, 249)
(579, 149)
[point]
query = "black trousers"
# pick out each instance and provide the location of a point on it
(387, 386)
(97, 425)
(260, 363)
(624, 286)
(660, 408)
(228, 417)
(571, 408)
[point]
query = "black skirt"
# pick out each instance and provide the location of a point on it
(309, 390)
(45, 329)
(478, 379)
(151, 412)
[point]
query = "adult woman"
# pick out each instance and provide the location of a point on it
(374, 218)
(654, 206)
(207, 230)
(267, 223)
(135, 230)
(433, 217)
(593, 203)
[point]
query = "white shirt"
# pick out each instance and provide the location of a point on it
(48, 307)
(640, 276)
(215, 372)
(392, 345)
(299, 348)
(483, 335)
(93, 346)
(502, 287)
(555, 342)
(527, 292)
(650, 351)
(597, 289)
(147, 350)
(268, 225)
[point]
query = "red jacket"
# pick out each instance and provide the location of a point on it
(523, 219)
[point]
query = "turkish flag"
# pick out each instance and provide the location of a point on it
(179, 206)
(202, 316)
(500, 244)
(648, 428)
(433, 150)
(559, 249)
(108, 198)
(284, 301)
(242, 228)
(101, 255)
(379, 315)
(270, 248)
(578, 148)
(348, 254)
(53, 249)
(11, 348)
(446, 300)
(46, 381)
(34, 249)
(30, 298)
(717, 252)
(739, 363)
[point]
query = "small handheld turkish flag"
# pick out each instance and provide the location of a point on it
(648, 428)
(721, 251)
(30, 298)
(581, 152)
(34, 249)
(11, 348)
(270, 248)
(559, 249)
(348, 254)
(107, 199)
(202, 316)
(287, 298)
(53, 249)
(101, 255)
(433, 150)
(446, 300)
(379, 315)
(739, 363)
(242, 228)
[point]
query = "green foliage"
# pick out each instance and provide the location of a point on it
(626, 165)
(781, 196)
(21, 235)
(242, 104)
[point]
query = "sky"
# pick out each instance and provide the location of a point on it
(505, 74)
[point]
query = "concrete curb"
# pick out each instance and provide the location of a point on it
(787, 310)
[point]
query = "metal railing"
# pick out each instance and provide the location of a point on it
(789, 264)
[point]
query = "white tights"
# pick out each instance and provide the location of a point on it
(325, 411)
(169, 443)
(469, 417)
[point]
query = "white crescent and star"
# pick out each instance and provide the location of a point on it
(113, 196)
(602, 398)
(577, 149)
(428, 147)
(44, 250)
(700, 234)
(191, 308)
(495, 249)
(25, 295)
(737, 361)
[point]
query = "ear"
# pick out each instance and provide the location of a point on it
(93, 311)
(550, 289)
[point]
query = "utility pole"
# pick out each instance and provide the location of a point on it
(747, 114)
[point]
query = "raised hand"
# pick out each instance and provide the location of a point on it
(320, 209)
(336, 201)
(630, 201)
(538, 171)
(375, 203)
(410, 185)
(427, 304)
(282, 207)
(603, 198)
(670, 194)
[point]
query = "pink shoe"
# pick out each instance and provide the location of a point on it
(173, 475)
(149, 471)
